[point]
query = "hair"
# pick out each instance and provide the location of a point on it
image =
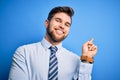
(68, 10)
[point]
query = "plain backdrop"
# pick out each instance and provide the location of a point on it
(22, 22)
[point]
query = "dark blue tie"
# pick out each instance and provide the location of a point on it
(53, 64)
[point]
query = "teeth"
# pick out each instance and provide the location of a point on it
(59, 32)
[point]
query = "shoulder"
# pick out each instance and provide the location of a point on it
(28, 48)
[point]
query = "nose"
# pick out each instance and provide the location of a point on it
(61, 25)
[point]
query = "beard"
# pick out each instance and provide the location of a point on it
(53, 36)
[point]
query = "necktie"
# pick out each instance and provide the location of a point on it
(53, 64)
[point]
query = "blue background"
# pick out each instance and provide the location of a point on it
(22, 22)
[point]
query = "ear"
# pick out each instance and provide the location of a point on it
(46, 23)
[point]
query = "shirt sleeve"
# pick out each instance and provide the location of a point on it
(85, 70)
(18, 70)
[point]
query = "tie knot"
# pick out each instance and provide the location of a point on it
(53, 49)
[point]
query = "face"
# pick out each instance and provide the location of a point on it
(58, 27)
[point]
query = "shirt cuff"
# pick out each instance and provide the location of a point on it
(85, 68)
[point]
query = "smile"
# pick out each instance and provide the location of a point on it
(59, 31)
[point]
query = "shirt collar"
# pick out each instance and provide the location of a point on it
(47, 44)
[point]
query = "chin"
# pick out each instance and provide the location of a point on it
(58, 39)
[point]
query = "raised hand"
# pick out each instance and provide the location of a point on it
(89, 49)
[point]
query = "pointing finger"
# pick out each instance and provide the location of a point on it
(91, 40)
(90, 43)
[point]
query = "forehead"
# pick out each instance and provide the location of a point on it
(63, 16)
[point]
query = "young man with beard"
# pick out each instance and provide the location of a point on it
(48, 59)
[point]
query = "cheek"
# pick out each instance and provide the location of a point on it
(51, 27)
(67, 30)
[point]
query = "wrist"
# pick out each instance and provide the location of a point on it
(87, 59)
(88, 55)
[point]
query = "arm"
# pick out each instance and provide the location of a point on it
(85, 71)
(89, 50)
(18, 69)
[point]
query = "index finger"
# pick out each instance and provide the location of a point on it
(91, 40)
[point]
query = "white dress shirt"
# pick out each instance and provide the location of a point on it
(31, 62)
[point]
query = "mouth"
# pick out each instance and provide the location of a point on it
(59, 32)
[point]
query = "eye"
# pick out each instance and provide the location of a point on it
(58, 20)
(67, 24)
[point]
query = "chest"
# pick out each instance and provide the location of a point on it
(39, 65)
(67, 67)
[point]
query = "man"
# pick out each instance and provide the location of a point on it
(48, 59)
